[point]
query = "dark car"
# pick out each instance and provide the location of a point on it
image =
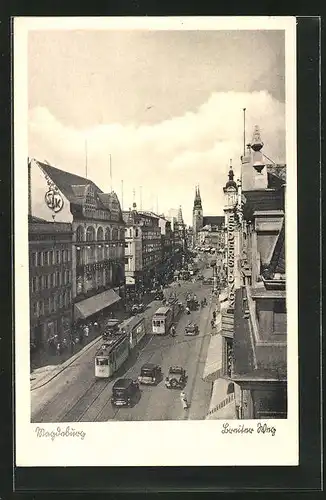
(150, 374)
(176, 378)
(191, 329)
(208, 281)
(125, 392)
(159, 295)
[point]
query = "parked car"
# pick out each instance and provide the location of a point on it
(150, 374)
(208, 281)
(191, 329)
(125, 392)
(176, 378)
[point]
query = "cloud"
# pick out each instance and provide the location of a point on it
(165, 158)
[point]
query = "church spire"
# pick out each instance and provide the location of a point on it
(197, 202)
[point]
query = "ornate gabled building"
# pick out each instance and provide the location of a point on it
(97, 234)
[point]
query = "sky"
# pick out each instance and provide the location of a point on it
(166, 106)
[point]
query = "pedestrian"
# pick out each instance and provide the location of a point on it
(184, 400)
(86, 331)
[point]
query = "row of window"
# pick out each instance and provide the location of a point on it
(59, 278)
(91, 255)
(51, 257)
(52, 304)
(100, 235)
(131, 232)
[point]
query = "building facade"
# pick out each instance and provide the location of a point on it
(143, 248)
(249, 347)
(260, 334)
(98, 232)
(50, 271)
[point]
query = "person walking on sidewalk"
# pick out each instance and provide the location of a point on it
(184, 400)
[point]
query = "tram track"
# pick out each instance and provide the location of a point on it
(95, 391)
(80, 407)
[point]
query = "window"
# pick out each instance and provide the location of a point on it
(90, 234)
(40, 282)
(34, 259)
(100, 234)
(39, 259)
(63, 255)
(46, 258)
(51, 280)
(57, 278)
(35, 308)
(58, 256)
(126, 261)
(80, 233)
(51, 259)
(34, 284)
(107, 234)
(41, 308)
(55, 303)
(50, 304)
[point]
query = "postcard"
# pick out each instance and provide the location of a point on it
(155, 241)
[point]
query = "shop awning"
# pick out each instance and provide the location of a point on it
(222, 404)
(90, 306)
(214, 360)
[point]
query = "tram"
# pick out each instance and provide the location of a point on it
(111, 355)
(134, 328)
(162, 321)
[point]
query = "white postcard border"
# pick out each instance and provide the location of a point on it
(181, 443)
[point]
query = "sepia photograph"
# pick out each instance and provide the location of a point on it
(153, 181)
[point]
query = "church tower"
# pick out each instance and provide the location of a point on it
(197, 216)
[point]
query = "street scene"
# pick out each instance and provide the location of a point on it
(156, 226)
(76, 396)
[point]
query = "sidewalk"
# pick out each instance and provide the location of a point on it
(45, 359)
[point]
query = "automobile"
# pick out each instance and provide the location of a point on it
(125, 392)
(192, 304)
(137, 308)
(176, 378)
(150, 374)
(208, 281)
(191, 329)
(159, 295)
(200, 277)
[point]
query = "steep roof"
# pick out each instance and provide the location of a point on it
(277, 264)
(71, 185)
(213, 220)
